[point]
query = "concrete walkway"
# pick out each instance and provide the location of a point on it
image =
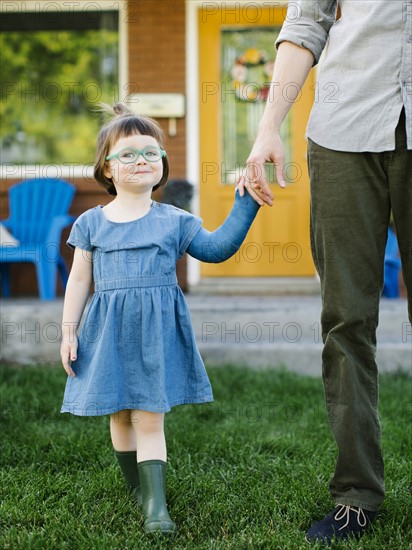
(257, 331)
(285, 330)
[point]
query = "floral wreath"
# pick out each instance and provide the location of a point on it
(250, 73)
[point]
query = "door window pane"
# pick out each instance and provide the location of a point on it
(247, 58)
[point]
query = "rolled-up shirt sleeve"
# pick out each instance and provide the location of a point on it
(307, 24)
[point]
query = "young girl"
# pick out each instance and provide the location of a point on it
(136, 355)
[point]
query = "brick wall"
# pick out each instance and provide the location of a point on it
(156, 64)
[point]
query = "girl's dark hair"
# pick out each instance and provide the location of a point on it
(124, 123)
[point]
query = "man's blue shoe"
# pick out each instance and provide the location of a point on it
(343, 522)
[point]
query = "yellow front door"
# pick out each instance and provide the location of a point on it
(236, 53)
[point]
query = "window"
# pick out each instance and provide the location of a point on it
(56, 67)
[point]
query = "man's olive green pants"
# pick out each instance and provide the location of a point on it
(352, 195)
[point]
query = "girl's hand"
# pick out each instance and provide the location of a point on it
(256, 194)
(68, 353)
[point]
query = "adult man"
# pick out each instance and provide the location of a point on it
(360, 165)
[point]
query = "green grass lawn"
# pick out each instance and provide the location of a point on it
(250, 471)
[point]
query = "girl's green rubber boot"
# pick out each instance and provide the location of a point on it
(128, 466)
(152, 474)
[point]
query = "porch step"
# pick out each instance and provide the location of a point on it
(258, 331)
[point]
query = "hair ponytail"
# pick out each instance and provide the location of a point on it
(120, 109)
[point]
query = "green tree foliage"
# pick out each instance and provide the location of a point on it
(52, 83)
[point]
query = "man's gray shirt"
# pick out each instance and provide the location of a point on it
(365, 76)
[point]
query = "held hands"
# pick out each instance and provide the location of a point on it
(268, 147)
(68, 353)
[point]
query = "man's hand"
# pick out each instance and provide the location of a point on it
(268, 147)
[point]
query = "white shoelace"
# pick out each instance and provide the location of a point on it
(345, 511)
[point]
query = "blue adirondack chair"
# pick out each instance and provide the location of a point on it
(38, 214)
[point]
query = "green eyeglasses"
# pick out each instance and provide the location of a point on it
(151, 153)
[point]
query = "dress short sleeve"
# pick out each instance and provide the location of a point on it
(80, 234)
(189, 226)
